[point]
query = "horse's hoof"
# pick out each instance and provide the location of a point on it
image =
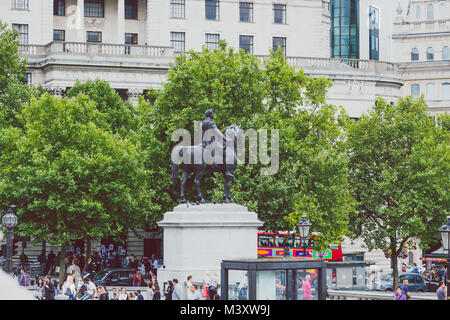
(226, 200)
(182, 200)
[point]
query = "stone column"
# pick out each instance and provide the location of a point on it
(147, 26)
(81, 36)
(120, 21)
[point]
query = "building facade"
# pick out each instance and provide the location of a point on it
(366, 47)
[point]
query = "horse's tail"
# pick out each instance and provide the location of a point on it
(174, 173)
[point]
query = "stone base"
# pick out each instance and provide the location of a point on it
(198, 237)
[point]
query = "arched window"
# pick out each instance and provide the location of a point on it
(445, 91)
(414, 54)
(430, 12)
(430, 53)
(430, 93)
(445, 53)
(415, 90)
(418, 12)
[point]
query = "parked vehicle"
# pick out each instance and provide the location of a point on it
(416, 283)
(114, 277)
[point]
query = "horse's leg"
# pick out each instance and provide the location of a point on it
(226, 189)
(197, 179)
(183, 182)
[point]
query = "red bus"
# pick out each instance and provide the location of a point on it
(271, 245)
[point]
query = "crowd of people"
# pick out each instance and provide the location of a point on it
(402, 292)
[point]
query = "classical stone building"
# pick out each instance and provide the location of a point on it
(364, 46)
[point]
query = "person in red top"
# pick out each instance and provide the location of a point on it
(137, 279)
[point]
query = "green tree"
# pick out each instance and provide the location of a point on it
(13, 93)
(312, 177)
(70, 177)
(399, 171)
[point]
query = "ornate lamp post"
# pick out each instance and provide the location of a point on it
(9, 221)
(303, 227)
(445, 231)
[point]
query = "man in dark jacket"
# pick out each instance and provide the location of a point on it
(42, 261)
(51, 262)
(49, 289)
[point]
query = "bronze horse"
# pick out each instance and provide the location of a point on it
(226, 168)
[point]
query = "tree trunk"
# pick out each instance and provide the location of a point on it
(88, 248)
(62, 263)
(394, 264)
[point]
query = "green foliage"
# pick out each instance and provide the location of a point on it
(13, 93)
(312, 177)
(119, 114)
(399, 171)
(69, 177)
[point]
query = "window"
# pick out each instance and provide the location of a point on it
(131, 38)
(246, 11)
(443, 11)
(415, 90)
(27, 78)
(131, 9)
(279, 241)
(212, 9)
(345, 29)
(430, 92)
(445, 53)
(177, 9)
(59, 7)
(59, 35)
(430, 12)
(177, 40)
(418, 279)
(279, 42)
(430, 53)
(414, 54)
(418, 12)
(23, 32)
(94, 36)
(20, 5)
(279, 13)
(445, 90)
(212, 40)
(94, 8)
(246, 44)
(374, 38)
(265, 240)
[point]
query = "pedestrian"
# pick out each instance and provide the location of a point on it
(24, 278)
(42, 260)
(403, 267)
(415, 268)
(188, 288)
(194, 294)
(441, 292)
(75, 271)
(69, 288)
(150, 291)
(306, 286)
(169, 290)
(123, 295)
(137, 279)
(442, 274)
(49, 289)
(90, 267)
(103, 294)
(39, 290)
(212, 288)
(405, 290)
(177, 293)
(206, 280)
(114, 297)
(139, 296)
(51, 262)
(131, 296)
(399, 294)
(90, 289)
(23, 259)
(156, 293)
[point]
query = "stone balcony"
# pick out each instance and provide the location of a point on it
(419, 27)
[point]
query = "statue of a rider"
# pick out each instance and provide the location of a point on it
(207, 124)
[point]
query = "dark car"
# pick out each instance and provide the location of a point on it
(115, 277)
(416, 283)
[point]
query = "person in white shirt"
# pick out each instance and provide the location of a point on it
(123, 295)
(188, 288)
(150, 291)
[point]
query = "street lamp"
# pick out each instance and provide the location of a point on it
(445, 231)
(303, 227)
(9, 221)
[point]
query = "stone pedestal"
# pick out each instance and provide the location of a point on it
(198, 237)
